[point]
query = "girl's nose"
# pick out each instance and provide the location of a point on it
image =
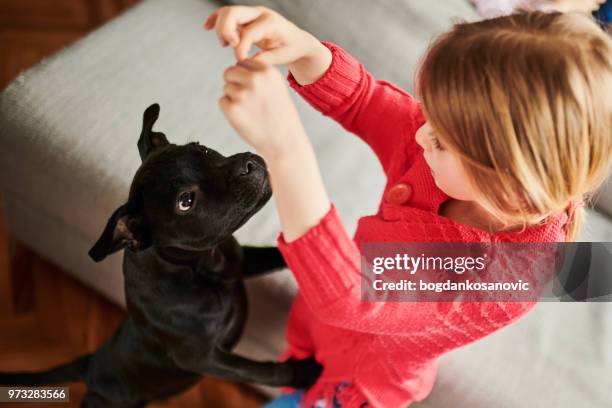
(422, 140)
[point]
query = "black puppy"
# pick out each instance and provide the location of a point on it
(184, 273)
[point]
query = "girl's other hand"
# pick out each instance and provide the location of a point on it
(257, 104)
(281, 41)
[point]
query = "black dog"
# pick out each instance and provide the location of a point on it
(184, 275)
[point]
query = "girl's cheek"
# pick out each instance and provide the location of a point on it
(450, 177)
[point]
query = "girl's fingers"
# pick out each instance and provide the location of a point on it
(271, 57)
(233, 91)
(252, 65)
(225, 104)
(229, 18)
(211, 20)
(255, 31)
(227, 29)
(239, 75)
(242, 72)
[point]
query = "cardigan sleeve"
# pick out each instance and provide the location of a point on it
(377, 111)
(326, 264)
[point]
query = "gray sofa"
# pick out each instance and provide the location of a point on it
(68, 131)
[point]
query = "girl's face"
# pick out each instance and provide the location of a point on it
(445, 166)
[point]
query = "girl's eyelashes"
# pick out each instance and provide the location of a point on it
(436, 144)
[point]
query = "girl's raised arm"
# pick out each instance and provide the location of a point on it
(328, 77)
(383, 115)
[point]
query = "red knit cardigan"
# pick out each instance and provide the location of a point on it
(387, 350)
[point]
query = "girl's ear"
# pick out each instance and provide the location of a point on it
(150, 140)
(122, 230)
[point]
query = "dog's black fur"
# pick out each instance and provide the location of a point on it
(184, 275)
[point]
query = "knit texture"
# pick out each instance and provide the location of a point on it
(387, 350)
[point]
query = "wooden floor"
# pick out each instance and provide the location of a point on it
(54, 319)
(46, 317)
(33, 29)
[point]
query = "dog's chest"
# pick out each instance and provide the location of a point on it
(179, 306)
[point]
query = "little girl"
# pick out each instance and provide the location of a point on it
(512, 132)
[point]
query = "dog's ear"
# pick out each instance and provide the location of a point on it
(122, 230)
(150, 140)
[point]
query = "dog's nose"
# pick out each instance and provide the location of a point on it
(252, 163)
(245, 165)
(248, 166)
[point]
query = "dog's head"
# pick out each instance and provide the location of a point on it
(188, 197)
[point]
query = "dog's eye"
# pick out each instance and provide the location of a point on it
(185, 201)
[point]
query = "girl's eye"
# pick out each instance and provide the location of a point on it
(436, 144)
(185, 201)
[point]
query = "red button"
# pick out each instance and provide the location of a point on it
(399, 193)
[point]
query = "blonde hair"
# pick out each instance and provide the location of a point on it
(525, 101)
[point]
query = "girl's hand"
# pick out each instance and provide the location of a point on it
(281, 41)
(257, 104)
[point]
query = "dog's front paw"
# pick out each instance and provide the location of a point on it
(305, 372)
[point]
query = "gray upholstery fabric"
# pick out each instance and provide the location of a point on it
(604, 198)
(68, 131)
